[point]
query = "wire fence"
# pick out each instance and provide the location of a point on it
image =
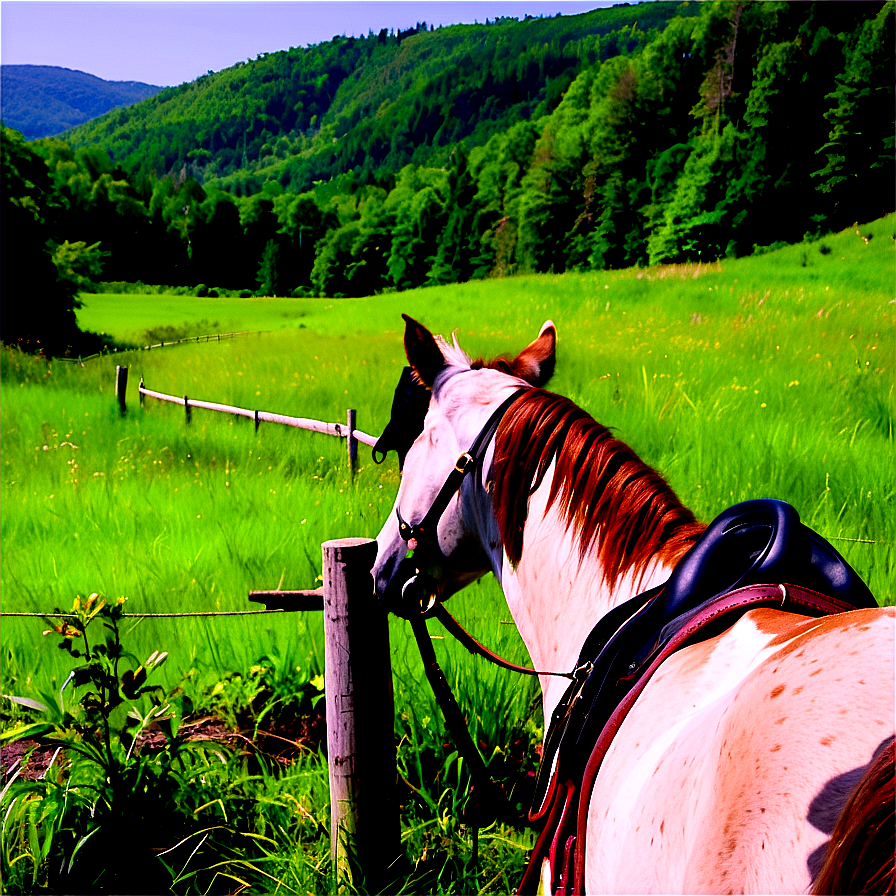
(211, 337)
(275, 602)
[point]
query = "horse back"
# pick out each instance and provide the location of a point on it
(735, 763)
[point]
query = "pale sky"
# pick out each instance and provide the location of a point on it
(169, 41)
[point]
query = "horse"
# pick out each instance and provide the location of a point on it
(734, 763)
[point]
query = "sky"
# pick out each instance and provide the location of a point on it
(169, 42)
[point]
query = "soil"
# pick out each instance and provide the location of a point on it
(282, 741)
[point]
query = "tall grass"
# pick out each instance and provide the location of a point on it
(766, 376)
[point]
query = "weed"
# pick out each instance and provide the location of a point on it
(128, 804)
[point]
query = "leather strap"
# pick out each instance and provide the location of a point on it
(464, 465)
(477, 649)
(487, 799)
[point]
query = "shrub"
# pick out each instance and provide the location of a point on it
(113, 813)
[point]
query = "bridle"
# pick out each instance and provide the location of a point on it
(420, 592)
(420, 597)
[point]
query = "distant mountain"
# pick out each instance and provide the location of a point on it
(368, 105)
(42, 100)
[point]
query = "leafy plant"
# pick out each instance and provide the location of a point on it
(105, 812)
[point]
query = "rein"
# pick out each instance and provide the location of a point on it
(420, 598)
(422, 541)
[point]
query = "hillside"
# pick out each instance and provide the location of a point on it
(43, 100)
(370, 105)
(724, 134)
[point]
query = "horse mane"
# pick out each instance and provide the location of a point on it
(618, 506)
(859, 857)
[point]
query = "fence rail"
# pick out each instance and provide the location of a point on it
(330, 429)
(347, 430)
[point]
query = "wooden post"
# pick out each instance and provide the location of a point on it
(121, 387)
(188, 409)
(364, 831)
(140, 393)
(351, 441)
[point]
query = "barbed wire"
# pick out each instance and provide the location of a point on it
(857, 540)
(158, 615)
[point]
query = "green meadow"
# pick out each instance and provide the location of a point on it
(768, 376)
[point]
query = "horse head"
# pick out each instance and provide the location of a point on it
(442, 534)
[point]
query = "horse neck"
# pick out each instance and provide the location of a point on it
(555, 597)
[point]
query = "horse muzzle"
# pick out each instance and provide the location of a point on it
(406, 590)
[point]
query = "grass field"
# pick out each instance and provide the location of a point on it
(769, 376)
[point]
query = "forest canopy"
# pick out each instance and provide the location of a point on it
(631, 136)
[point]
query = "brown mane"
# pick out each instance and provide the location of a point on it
(616, 504)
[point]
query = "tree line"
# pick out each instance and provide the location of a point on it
(744, 125)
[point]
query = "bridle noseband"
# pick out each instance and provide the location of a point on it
(421, 591)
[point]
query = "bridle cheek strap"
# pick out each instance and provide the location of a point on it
(425, 530)
(423, 541)
(422, 538)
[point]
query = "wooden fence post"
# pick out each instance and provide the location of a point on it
(188, 409)
(121, 387)
(364, 831)
(140, 393)
(351, 441)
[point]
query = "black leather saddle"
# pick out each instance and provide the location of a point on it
(753, 543)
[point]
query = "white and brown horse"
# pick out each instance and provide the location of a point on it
(734, 764)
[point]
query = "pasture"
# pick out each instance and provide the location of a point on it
(768, 376)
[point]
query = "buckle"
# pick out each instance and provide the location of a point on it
(464, 462)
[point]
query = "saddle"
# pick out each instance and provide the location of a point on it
(725, 574)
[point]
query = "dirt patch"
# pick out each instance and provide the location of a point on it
(283, 741)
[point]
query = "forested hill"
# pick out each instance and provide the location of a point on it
(745, 125)
(42, 100)
(370, 105)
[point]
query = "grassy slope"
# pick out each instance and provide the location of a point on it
(768, 376)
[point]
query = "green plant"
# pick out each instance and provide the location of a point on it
(112, 780)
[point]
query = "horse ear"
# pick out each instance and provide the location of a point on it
(535, 363)
(424, 354)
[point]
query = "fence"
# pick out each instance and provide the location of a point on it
(365, 832)
(347, 430)
(364, 826)
(211, 337)
(360, 710)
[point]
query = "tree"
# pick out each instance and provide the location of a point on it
(860, 148)
(303, 223)
(268, 277)
(39, 278)
(419, 219)
(457, 242)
